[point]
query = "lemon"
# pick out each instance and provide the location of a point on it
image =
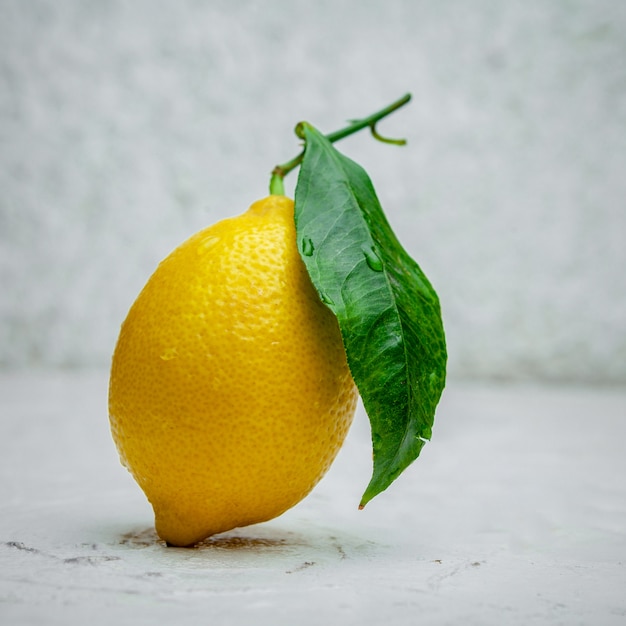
(230, 394)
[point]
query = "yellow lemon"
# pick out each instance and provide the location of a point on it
(230, 394)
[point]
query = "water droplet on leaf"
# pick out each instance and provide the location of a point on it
(326, 299)
(372, 259)
(307, 247)
(377, 441)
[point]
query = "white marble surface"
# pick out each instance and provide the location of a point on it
(514, 514)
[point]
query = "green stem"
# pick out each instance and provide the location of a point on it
(277, 187)
(280, 171)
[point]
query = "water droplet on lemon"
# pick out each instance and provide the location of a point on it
(206, 244)
(169, 354)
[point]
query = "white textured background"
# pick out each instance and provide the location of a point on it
(127, 126)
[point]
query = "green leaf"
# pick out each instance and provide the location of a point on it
(388, 312)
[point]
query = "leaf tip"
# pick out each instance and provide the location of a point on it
(367, 496)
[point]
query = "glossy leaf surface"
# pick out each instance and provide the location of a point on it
(388, 312)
